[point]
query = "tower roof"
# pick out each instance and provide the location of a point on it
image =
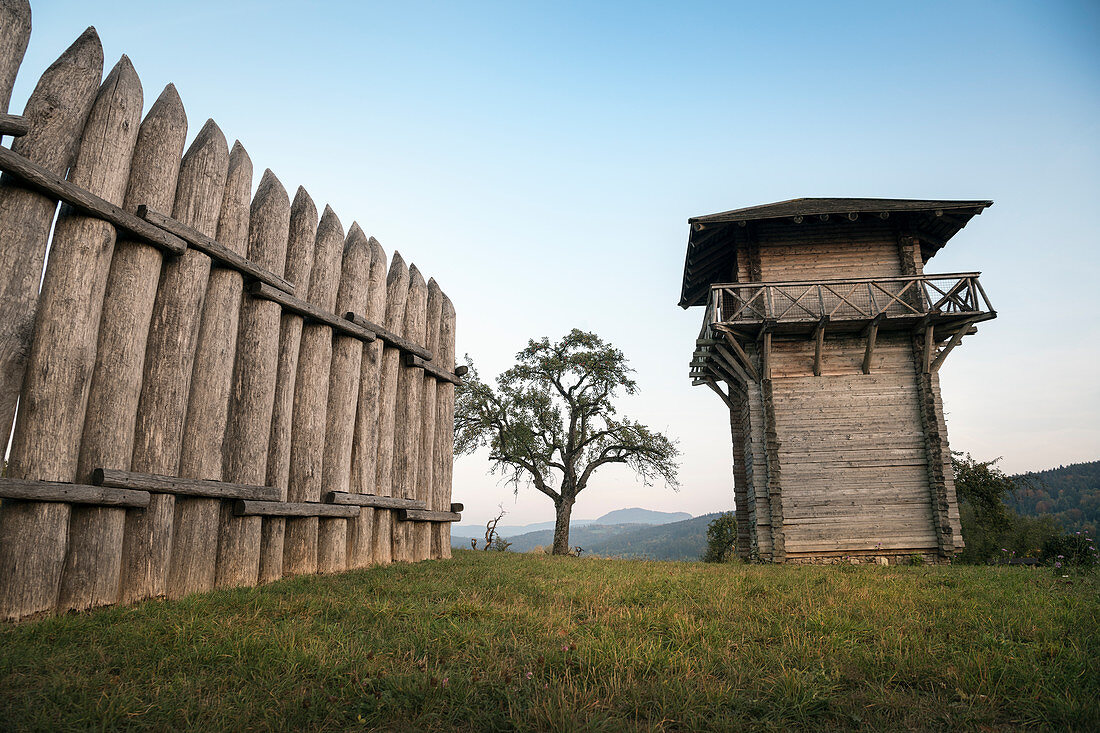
(711, 237)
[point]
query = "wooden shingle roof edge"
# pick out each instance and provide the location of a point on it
(710, 238)
(818, 206)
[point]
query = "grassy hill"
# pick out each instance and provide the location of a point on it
(1070, 494)
(504, 641)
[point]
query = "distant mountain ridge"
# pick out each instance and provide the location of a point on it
(633, 515)
(683, 540)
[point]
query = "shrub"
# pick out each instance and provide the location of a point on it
(1078, 550)
(721, 539)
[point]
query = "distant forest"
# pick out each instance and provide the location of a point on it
(1069, 494)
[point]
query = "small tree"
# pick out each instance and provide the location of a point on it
(721, 538)
(551, 422)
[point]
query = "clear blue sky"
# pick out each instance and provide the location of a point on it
(540, 160)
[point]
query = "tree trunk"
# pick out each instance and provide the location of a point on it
(561, 527)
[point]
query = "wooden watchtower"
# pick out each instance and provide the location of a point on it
(823, 336)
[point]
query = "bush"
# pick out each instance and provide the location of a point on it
(1077, 550)
(721, 539)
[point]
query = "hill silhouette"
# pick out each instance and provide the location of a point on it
(634, 515)
(683, 540)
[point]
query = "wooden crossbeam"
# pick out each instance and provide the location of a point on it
(310, 312)
(246, 508)
(732, 361)
(719, 368)
(389, 337)
(415, 361)
(158, 484)
(422, 515)
(14, 125)
(718, 391)
(938, 362)
(40, 179)
(370, 500)
(214, 249)
(746, 362)
(28, 490)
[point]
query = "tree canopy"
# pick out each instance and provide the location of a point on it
(550, 422)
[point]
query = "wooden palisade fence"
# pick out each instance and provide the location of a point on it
(213, 391)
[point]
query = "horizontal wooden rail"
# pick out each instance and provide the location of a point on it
(389, 337)
(415, 361)
(13, 125)
(26, 490)
(157, 484)
(38, 178)
(246, 508)
(370, 500)
(213, 249)
(851, 300)
(849, 280)
(311, 312)
(422, 515)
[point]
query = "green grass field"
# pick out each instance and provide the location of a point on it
(491, 641)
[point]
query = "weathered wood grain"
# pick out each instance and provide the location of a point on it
(397, 292)
(444, 436)
(169, 358)
(108, 431)
(220, 254)
(80, 200)
(15, 31)
(311, 388)
(311, 312)
(388, 336)
(13, 125)
(431, 369)
(181, 486)
(246, 508)
(56, 112)
(195, 520)
(443, 440)
(410, 384)
(108, 438)
(31, 490)
(301, 244)
(46, 440)
(425, 464)
(255, 370)
(364, 453)
(299, 262)
(371, 501)
(343, 392)
(423, 515)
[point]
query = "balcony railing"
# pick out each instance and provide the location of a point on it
(793, 306)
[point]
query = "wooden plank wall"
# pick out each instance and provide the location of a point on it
(827, 250)
(852, 448)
